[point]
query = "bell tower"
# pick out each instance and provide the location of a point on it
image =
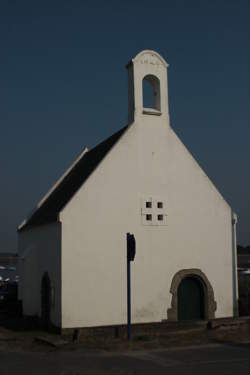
(147, 68)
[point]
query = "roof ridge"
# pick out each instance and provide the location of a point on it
(63, 190)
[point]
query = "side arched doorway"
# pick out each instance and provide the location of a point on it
(45, 301)
(191, 300)
(192, 296)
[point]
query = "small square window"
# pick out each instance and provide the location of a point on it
(160, 204)
(148, 204)
(160, 217)
(148, 217)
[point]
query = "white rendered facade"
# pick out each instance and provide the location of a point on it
(191, 230)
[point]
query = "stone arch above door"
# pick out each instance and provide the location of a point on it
(210, 303)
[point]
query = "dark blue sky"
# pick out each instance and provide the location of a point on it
(63, 85)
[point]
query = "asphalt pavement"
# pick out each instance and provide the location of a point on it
(206, 359)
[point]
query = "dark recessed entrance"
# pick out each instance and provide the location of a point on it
(191, 302)
(45, 301)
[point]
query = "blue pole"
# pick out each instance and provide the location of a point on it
(129, 298)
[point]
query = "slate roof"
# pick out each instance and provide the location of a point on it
(48, 210)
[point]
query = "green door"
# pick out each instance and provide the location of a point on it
(190, 299)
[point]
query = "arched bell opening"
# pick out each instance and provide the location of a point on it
(151, 93)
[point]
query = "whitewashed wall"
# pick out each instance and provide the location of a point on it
(40, 252)
(149, 160)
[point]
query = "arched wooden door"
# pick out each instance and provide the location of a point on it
(191, 303)
(45, 300)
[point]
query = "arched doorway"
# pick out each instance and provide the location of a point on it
(45, 301)
(195, 280)
(191, 303)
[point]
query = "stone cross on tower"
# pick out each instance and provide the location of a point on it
(151, 67)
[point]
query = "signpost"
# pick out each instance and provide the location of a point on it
(131, 248)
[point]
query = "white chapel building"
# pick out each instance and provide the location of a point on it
(141, 180)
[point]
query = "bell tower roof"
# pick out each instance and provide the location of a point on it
(147, 53)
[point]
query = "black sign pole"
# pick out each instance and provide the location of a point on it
(129, 297)
(131, 248)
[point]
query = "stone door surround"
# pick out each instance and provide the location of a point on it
(210, 303)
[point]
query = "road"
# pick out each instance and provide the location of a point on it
(207, 359)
